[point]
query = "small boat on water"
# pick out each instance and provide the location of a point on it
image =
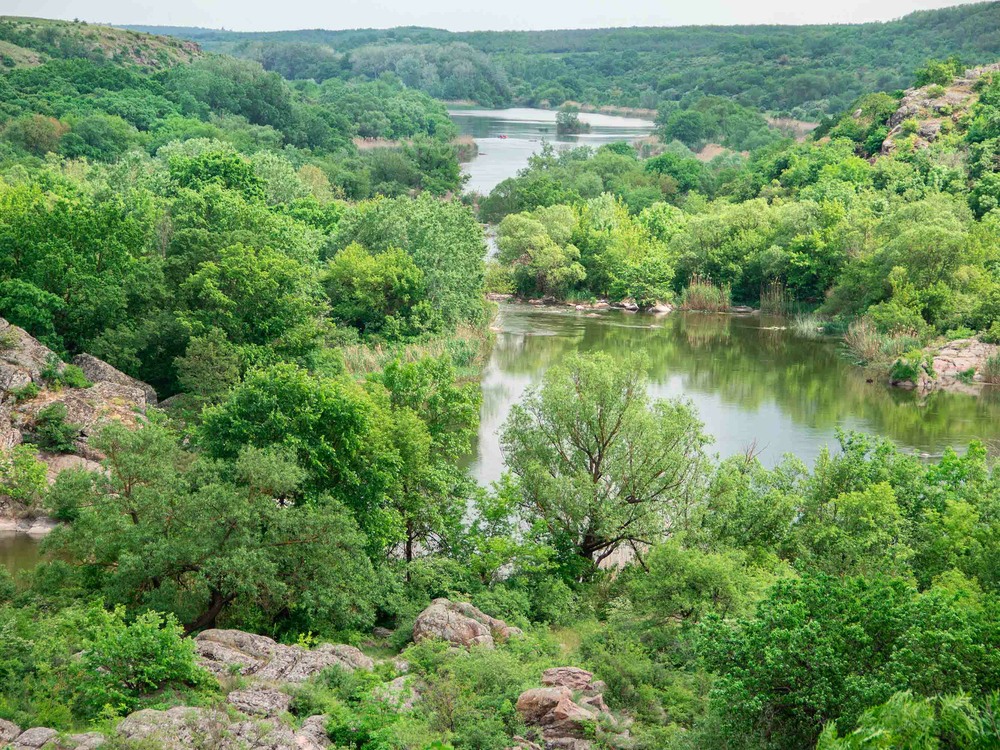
(501, 136)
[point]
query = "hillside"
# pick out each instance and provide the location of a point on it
(26, 42)
(801, 70)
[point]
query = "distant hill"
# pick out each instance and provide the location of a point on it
(803, 71)
(25, 42)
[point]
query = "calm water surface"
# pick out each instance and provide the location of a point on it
(751, 380)
(526, 129)
(18, 552)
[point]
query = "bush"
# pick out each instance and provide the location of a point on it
(122, 662)
(25, 392)
(991, 335)
(51, 430)
(73, 377)
(911, 366)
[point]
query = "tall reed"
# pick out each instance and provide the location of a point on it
(991, 370)
(702, 294)
(774, 298)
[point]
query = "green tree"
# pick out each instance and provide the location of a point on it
(600, 466)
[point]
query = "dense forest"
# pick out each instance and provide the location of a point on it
(804, 71)
(311, 314)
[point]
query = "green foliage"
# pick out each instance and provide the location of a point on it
(22, 475)
(582, 447)
(51, 431)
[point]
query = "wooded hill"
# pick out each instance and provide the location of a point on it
(799, 70)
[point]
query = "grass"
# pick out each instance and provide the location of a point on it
(809, 326)
(991, 370)
(870, 347)
(702, 294)
(468, 347)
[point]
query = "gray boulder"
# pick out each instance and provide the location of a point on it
(461, 624)
(263, 659)
(99, 371)
(259, 702)
(34, 738)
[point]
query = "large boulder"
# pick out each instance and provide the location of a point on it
(34, 738)
(264, 660)
(568, 711)
(99, 371)
(259, 702)
(8, 732)
(460, 624)
(22, 358)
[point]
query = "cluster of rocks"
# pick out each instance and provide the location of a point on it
(254, 717)
(113, 396)
(567, 713)
(461, 624)
(263, 659)
(956, 366)
(931, 108)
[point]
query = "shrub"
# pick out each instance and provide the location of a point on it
(702, 294)
(22, 475)
(73, 377)
(911, 366)
(992, 335)
(25, 392)
(935, 91)
(122, 662)
(868, 346)
(52, 432)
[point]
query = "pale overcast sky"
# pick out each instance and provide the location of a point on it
(462, 15)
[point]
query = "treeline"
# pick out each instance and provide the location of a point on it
(805, 72)
(100, 111)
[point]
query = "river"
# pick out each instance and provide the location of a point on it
(525, 131)
(753, 381)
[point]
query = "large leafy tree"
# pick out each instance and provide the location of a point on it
(600, 465)
(167, 530)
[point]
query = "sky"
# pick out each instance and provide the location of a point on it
(461, 15)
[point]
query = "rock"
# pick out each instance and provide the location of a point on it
(312, 735)
(573, 678)
(263, 659)
(381, 633)
(661, 308)
(37, 737)
(87, 741)
(8, 731)
(553, 710)
(565, 721)
(34, 526)
(400, 694)
(99, 371)
(22, 358)
(520, 743)
(259, 702)
(461, 624)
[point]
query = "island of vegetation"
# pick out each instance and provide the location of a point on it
(239, 364)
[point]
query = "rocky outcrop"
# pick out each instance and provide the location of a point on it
(197, 728)
(268, 703)
(957, 366)
(99, 371)
(568, 713)
(114, 396)
(932, 109)
(400, 693)
(461, 624)
(265, 660)
(12, 738)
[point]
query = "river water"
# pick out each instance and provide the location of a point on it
(525, 131)
(752, 380)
